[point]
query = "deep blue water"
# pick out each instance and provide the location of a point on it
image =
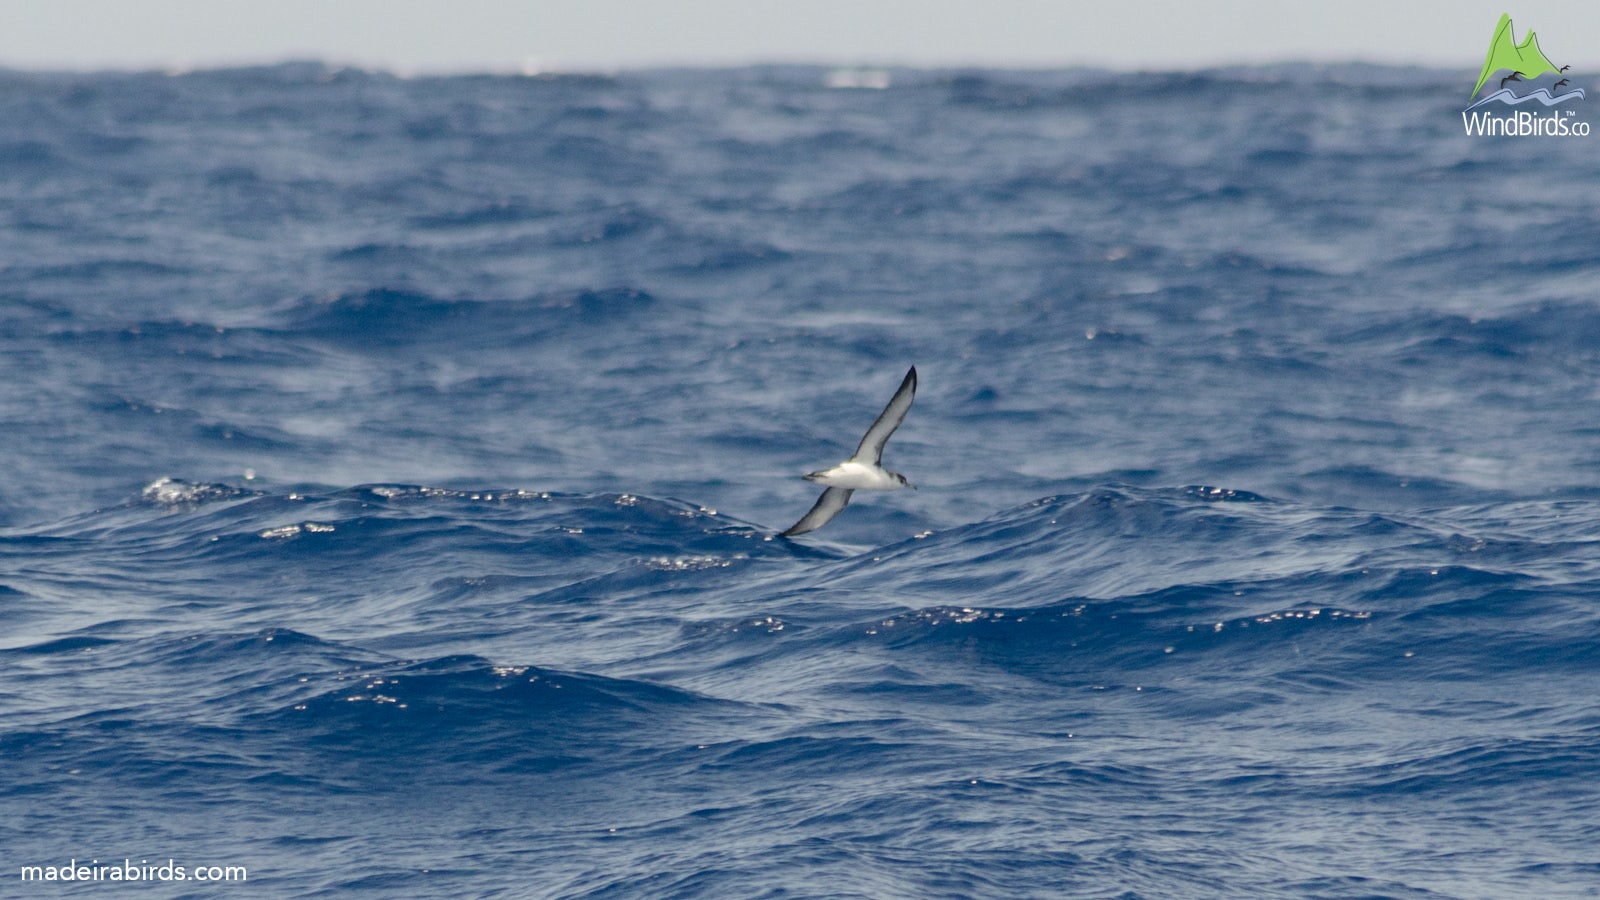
(392, 468)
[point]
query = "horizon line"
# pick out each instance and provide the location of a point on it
(534, 66)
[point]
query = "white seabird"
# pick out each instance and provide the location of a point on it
(864, 471)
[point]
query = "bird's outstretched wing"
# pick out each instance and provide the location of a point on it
(827, 506)
(871, 449)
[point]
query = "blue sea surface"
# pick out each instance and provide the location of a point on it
(393, 468)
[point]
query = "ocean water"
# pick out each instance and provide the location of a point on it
(392, 469)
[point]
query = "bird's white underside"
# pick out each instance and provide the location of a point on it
(857, 477)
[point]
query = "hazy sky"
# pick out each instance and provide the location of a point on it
(499, 35)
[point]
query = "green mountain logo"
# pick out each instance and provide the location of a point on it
(1525, 59)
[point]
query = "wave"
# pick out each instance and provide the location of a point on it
(606, 652)
(1116, 585)
(1106, 542)
(511, 716)
(385, 317)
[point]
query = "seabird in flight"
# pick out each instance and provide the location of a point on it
(864, 471)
